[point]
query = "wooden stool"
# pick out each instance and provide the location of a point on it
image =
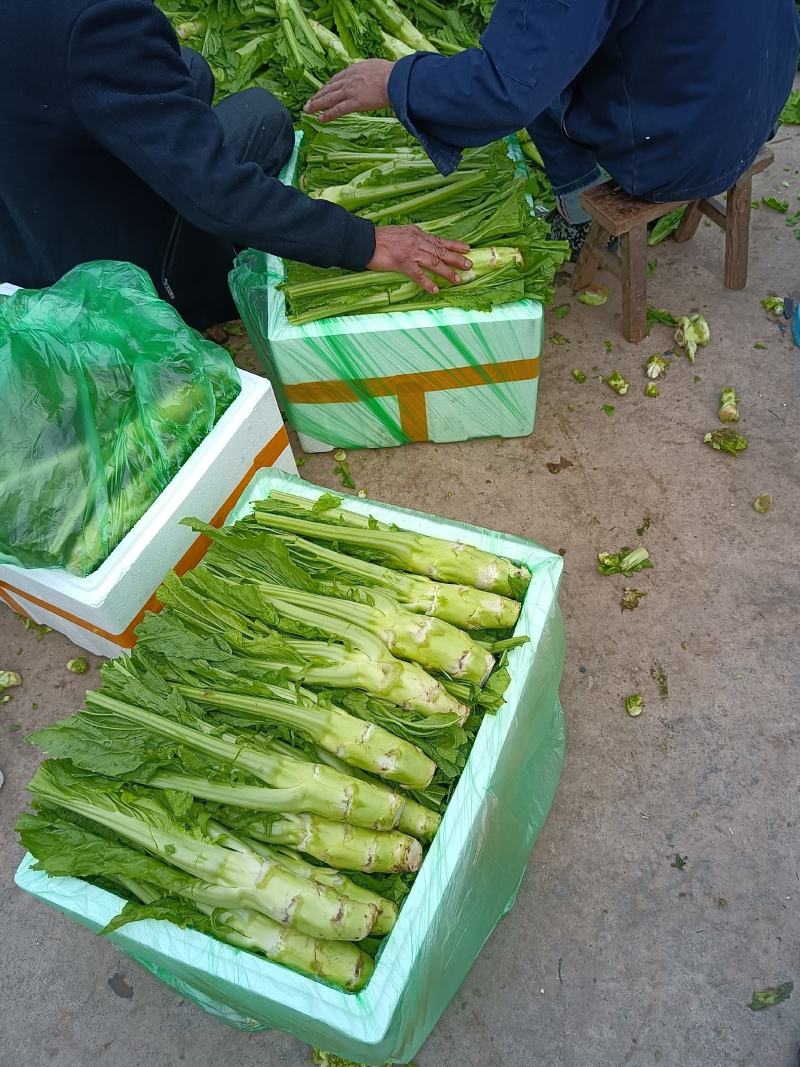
(616, 214)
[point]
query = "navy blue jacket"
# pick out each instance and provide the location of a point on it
(673, 97)
(101, 142)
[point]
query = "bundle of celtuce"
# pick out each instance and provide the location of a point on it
(302, 707)
(292, 47)
(372, 166)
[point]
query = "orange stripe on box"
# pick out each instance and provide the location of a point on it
(127, 639)
(410, 389)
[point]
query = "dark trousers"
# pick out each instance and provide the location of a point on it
(258, 129)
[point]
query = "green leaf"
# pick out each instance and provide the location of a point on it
(781, 206)
(608, 409)
(666, 226)
(790, 115)
(594, 295)
(561, 311)
(773, 995)
(679, 861)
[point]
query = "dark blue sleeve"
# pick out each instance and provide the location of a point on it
(131, 91)
(530, 52)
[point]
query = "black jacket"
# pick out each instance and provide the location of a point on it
(101, 142)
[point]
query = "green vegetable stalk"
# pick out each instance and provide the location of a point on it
(462, 605)
(140, 818)
(445, 561)
(349, 848)
(317, 663)
(65, 848)
(333, 879)
(360, 743)
(296, 785)
(726, 440)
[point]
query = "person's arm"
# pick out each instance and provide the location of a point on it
(531, 51)
(132, 93)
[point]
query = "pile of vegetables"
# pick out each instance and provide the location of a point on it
(371, 166)
(292, 47)
(272, 760)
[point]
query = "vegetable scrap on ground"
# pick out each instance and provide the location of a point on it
(273, 759)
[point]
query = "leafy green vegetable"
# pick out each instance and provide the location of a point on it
(651, 389)
(729, 406)
(773, 995)
(79, 665)
(666, 226)
(791, 109)
(143, 819)
(561, 311)
(762, 504)
(446, 561)
(579, 376)
(781, 206)
(631, 598)
(773, 304)
(692, 333)
(726, 440)
(343, 469)
(65, 846)
(658, 316)
(617, 382)
(626, 561)
(594, 295)
(608, 409)
(657, 366)
(634, 704)
(9, 679)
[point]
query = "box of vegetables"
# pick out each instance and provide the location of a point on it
(310, 792)
(369, 359)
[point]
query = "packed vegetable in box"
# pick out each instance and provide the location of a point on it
(269, 764)
(373, 167)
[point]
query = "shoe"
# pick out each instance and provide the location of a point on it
(561, 230)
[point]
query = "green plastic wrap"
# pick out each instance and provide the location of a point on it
(372, 381)
(104, 394)
(467, 882)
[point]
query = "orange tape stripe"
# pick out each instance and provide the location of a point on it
(410, 389)
(343, 392)
(127, 639)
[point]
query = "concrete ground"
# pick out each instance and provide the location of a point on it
(613, 955)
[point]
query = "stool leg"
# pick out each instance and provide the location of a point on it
(633, 251)
(689, 223)
(737, 233)
(589, 257)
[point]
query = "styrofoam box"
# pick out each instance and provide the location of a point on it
(99, 612)
(469, 878)
(407, 345)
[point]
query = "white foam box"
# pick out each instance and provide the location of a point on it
(100, 612)
(372, 381)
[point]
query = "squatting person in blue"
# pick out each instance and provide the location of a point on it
(672, 98)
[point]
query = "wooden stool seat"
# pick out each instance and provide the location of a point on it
(615, 213)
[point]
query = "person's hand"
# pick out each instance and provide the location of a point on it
(360, 87)
(411, 251)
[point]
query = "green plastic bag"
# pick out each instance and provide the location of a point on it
(104, 394)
